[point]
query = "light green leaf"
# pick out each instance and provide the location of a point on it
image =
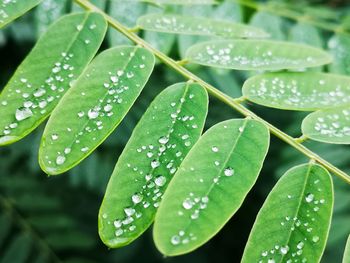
(256, 55)
(46, 74)
(298, 91)
(94, 106)
(229, 10)
(330, 125)
(210, 185)
(339, 47)
(346, 258)
(179, 24)
(11, 9)
(48, 12)
(293, 224)
(161, 140)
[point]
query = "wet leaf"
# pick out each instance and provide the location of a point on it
(210, 185)
(94, 106)
(293, 224)
(298, 91)
(161, 140)
(270, 23)
(330, 125)
(11, 9)
(57, 59)
(256, 55)
(180, 24)
(181, 2)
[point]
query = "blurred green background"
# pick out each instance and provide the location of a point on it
(55, 219)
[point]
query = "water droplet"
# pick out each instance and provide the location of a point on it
(187, 204)
(309, 198)
(60, 160)
(300, 245)
(160, 180)
(284, 250)
(129, 211)
(136, 198)
(108, 107)
(163, 140)
(67, 150)
(119, 232)
(54, 137)
(23, 113)
(92, 114)
(215, 149)
(155, 164)
(175, 240)
(315, 239)
(229, 171)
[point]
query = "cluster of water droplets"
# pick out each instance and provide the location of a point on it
(95, 118)
(299, 92)
(40, 98)
(176, 23)
(194, 204)
(306, 224)
(163, 156)
(230, 55)
(334, 125)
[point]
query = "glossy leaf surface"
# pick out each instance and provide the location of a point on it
(293, 224)
(210, 185)
(161, 140)
(94, 106)
(57, 59)
(256, 55)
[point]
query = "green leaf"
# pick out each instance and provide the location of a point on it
(330, 125)
(306, 34)
(163, 137)
(346, 258)
(11, 9)
(48, 12)
(339, 47)
(46, 74)
(180, 24)
(210, 185)
(293, 224)
(256, 55)
(18, 249)
(94, 106)
(298, 91)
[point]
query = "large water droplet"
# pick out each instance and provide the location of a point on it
(187, 204)
(60, 160)
(229, 171)
(160, 180)
(136, 198)
(23, 113)
(175, 240)
(309, 198)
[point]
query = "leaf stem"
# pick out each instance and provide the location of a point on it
(215, 92)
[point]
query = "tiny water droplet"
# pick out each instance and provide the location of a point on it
(309, 198)
(229, 171)
(60, 160)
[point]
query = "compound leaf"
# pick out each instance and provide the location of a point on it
(180, 24)
(11, 9)
(94, 106)
(161, 140)
(210, 185)
(293, 224)
(298, 91)
(256, 55)
(330, 125)
(58, 58)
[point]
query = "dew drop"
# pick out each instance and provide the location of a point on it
(229, 171)
(309, 198)
(215, 149)
(54, 137)
(187, 204)
(136, 198)
(92, 114)
(60, 160)
(315, 239)
(129, 211)
(160, 180)
(175, 240)
(23, 113)
(163, 140)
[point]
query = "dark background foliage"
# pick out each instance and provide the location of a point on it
(55, 219)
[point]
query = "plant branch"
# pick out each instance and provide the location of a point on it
(215, 92)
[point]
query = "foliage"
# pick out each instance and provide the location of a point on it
(198, 181)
